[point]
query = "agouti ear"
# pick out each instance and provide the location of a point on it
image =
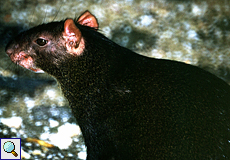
(87, 19)
(73, 37)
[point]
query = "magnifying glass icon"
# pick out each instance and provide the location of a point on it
(9, 147)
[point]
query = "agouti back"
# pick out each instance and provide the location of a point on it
(128, 106)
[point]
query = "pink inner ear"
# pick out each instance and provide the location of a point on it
(70, 28)
(87, 19)
(73, 40)
(71, 32)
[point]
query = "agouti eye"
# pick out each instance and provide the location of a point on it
(41, 42)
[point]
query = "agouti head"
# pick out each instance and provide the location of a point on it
(46, 47)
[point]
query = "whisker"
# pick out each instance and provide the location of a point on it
(44, 20)
(57, 12)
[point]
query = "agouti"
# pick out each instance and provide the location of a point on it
(128, 106)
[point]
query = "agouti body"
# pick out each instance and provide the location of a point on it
(128, 106)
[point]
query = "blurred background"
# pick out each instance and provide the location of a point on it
(32, 107)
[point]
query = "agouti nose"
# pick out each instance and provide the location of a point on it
(10, 48)
(9, 51)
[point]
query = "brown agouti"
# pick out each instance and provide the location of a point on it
(128, 106)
